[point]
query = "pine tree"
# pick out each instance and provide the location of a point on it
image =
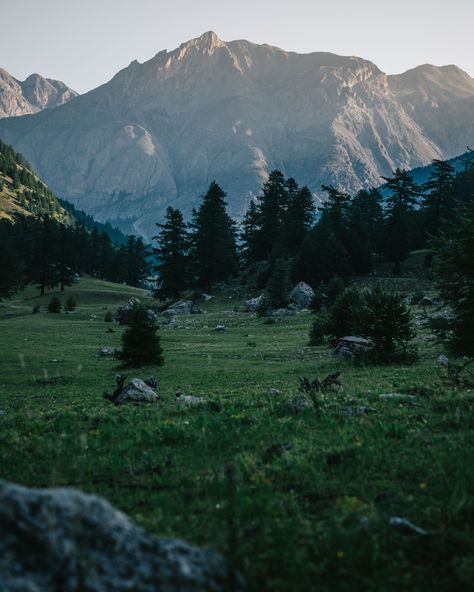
(172, 256)
(213, 251)
(11, 266)
(438, 201)
(398, 217)
(140, 343)
(272, 206)
(43, 269)
(455, 252)
(278, 286)
(137, 265)
(299, 216)
(250, 227)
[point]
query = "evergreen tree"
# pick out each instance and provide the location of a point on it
(11, 266)
(250, 227)
(455, 251)
(137, 265)
(438, 201)
(213, 252)
(299, 216)
(278, 286)
(398, 221)
(172, 256)
(369, 204)
(272, 206)
(140, 342)
(43, 269)
(54, 305)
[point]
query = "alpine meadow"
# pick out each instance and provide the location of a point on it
(236, 298)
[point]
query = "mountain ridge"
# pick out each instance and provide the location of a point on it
(159, 131)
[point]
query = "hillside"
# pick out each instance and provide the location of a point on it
(160, 131)
(319, 498)
(31, 95)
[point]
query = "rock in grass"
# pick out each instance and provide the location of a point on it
(63, 539)
(396, 396)
(136, 391)
(299, 405)
(406, 525)
(219, 328)
(301, 295)
(253, 304)
(189, 399)
(347, 347)
(182, 307)
(358, 410)
(107, 351)
(442, 360)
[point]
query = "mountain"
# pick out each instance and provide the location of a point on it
(32, 95)
(24, 193)
(159, 132)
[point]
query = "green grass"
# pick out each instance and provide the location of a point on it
(314, 518)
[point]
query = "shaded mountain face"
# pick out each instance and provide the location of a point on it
(32, 95)
(159, 132)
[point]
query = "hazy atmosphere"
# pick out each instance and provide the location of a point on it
(85, 43)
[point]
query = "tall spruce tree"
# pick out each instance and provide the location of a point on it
(11, 266)
(172, 256)
(272, 205)
(299, 216)
(399, 216)
(250, 227)
(137, 265)
(214, 251)
(438, 201)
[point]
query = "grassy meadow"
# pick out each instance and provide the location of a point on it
(299, 502)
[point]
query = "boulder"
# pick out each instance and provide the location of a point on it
(189, 399)
(182, 307)
(283, 312)
(302, 294)
(107, 351)
(348, 346)
(63, 539)
(426, 301)
(219, 328)
(124, 312)
(297, 406)
(136, 391)
(253, 304)
(442, 360)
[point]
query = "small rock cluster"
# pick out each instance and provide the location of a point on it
(351, 345)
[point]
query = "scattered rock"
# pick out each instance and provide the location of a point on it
(350, 345)
(253, 304)
(274, 391)
(125, 311)
(219, 328)
(442, 360)
(283, 312)
(189, 399)
(206, 297)
(107, 351)
(182, 307)
(358, 410)
(64, 539)
(302, 294)
(136, 391)
(299, 405)
(398, 396)
(276, 450)
(406, 525)
(426, 301)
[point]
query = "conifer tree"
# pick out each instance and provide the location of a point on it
(137, 265)
(11, 266)
(299, 216)
(250, 227)
(398, 216)
(172, 256)
(213, 251)
(140, 342)
(438, 201)
(272, 206)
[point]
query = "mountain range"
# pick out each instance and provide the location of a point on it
(160, 131)
(32, 95)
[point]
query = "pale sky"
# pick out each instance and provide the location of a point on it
(85, 42)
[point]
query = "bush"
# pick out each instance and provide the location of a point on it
(387, 322)
(70, 304)
(54, 305)
(346, 314)
(108, 317)
(334, 288)
(140, 343)
(318, 301)
(36, 309)
(278, 286)
(318, 330)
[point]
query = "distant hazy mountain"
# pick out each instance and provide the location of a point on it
(32, 95)
(160, 131)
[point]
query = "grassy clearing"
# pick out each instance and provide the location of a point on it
(314, 517)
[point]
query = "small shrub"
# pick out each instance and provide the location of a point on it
(108, 317)
(318, 330)
(140, 343)
(346, 314)
(54, 305)
(70, 304)
(36, 309)
(319, 300)
(334, 288)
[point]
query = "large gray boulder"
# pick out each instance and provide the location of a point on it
(136, 391)
(253, 304)
(182, 307)
(302, 294)
(63, 540)
(347, 347)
